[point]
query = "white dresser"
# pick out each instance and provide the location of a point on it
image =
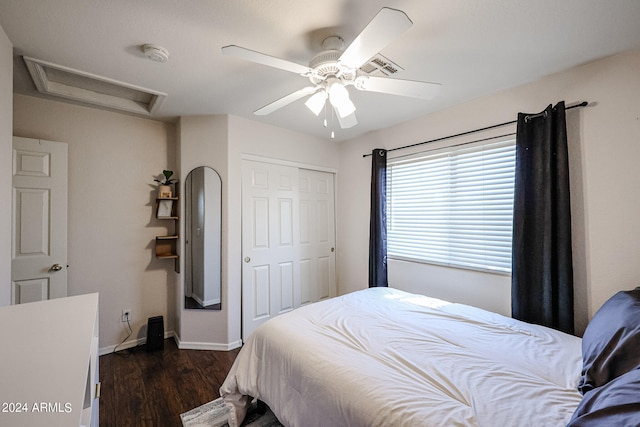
(49, 363)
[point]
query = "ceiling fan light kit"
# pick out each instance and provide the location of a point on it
(339, 98)
(316, 102)
(332, 70)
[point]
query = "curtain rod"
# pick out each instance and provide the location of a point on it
(582, 104)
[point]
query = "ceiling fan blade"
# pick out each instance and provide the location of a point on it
(348, 121)
(383, 28)
(413, 89)
(261, 58)
(285, 100)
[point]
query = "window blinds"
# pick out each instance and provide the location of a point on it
(453, 208)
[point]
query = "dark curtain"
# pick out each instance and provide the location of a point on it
(378, 220)
(542, 269)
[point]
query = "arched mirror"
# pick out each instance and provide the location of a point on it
(202, 221)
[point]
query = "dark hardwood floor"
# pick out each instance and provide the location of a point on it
(141, 389)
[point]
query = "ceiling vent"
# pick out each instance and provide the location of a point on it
(96, 91)
(380, 66)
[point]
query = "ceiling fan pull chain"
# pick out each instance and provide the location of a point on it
(332, 112)
(325, 115)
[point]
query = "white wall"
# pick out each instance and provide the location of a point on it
(6, 113)
(604, 145)
(113, 159)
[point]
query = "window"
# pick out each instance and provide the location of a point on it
(453, 207)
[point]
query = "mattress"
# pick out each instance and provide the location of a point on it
(382, 357)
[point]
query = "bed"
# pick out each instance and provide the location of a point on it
(384, 357)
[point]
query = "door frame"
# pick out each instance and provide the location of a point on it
(300, 165)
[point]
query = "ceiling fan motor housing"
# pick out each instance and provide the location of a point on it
(325, 64)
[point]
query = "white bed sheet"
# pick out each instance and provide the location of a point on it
(384, 357)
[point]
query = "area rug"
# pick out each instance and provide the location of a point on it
(216, 414)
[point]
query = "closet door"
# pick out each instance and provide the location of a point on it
(317, 236)
(288, 240)
(270, 230)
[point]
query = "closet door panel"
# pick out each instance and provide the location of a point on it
(270, 229)
(288, 240)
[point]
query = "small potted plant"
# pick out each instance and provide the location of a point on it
(164, 189)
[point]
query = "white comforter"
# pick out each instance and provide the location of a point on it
(383, 357)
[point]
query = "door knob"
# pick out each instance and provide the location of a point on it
(56, 267)
(247, 259)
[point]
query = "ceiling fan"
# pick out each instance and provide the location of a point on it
(334, 69)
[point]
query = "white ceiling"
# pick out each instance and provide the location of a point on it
(471, 47)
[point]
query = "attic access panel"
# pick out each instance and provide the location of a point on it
(59, 81)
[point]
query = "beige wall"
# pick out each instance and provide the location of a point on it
(202, 141)
(604, 145)
(221, 142)
(6, 109)
(113, 159)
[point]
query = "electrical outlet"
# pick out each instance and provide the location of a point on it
(126, 315)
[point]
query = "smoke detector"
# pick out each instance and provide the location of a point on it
(155, 52)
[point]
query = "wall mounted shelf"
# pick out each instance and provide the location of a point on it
(167, 246)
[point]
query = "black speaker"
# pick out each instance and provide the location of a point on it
(155, 334)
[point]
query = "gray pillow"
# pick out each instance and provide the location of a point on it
(615, 404)
(611, 342)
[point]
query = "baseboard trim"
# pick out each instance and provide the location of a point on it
(182, 345)
(129, 344)
(194, 345)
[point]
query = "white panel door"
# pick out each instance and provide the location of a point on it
(317, 236)
(39, 213)
(270, 230)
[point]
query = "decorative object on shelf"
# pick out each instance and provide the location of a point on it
(164, 190)
(165, 208)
